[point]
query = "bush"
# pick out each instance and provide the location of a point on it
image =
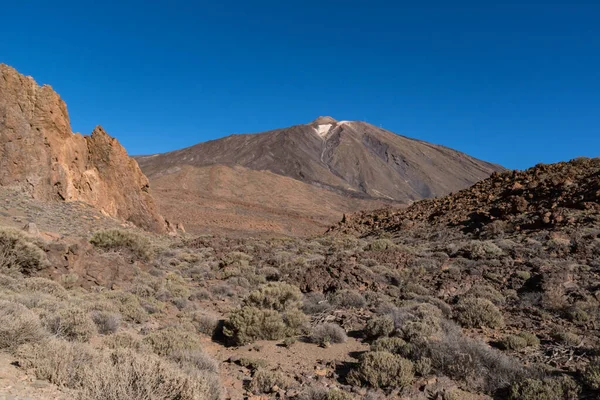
(567, 338)
(124, 340)
(315, 303)
(591, 375)
(423, 366)
(248, 324)
(71, 323)
(18, 325)
(384, 370)
(471, 361)
(196, 359)
(129, 305)
(327, 333)
(206, 324)
(547, 389)
(348, 299)
(169, 340)
(265, 381)
(121, 240)
(520, 341)
(277, 296)
(379, 327)
(18, 254)
(476, 312)
(296, 321)
(321, 393)
(486, 292)
(42, 285)
(381, 245)
(120, 374)
(394, 345)
(106, 322)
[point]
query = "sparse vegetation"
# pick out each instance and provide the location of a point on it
(477, 312)
(19, 254)
(121, 240)
(328, 333)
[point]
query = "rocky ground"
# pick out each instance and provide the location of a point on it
(490, 293)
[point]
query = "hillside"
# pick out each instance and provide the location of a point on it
(40, 154)
(488, 293)
(353, 160)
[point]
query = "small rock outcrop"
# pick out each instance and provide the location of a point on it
(40, 154)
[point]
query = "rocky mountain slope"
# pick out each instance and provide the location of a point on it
(348, 159)
(565, 194)
(40, 154)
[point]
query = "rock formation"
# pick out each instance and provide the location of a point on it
(40, 154)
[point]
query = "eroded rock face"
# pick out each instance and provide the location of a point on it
(40, 154)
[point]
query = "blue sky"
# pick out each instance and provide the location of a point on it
(515, 82)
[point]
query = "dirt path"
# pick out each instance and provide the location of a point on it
(17, 385)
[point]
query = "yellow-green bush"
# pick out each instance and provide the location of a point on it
(71, 323)
(278, 296)
(384, 370)
(169, 340)
(475, 312)
(248, 324)
(19, 254)
(121, 240)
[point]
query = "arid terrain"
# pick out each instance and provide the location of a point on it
(490, 292)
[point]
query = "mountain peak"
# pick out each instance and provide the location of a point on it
(324, 120)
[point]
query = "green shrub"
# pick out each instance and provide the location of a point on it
(520, 341)
(266, 381)
(167, 341)
(385, 370)
(278, 296)
(567, 338)
(591, 375)
(423, 366)
(121, 240)
(252, 363)
(248, 324)
(393, 345)
(379, 327)
(18, 325)
(296, 321)
(476, 312)
(71, 323)
(486, 292)
(562, 388)
(380, 245)
(18, 254)
(204, 323)
(328, 333)
(128, 305)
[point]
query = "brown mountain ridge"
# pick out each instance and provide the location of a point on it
(40, 154)
(347, 165)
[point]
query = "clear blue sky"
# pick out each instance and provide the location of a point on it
(515, 82)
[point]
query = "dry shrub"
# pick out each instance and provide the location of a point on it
(106, 322)
(384, 370)
(71, 323)
(591, 374)
(278, 296)
(204, 323)
(562, 388)
(328, 333)
(393, 345)
(121, 240)
(476, 312)
(315, 303)
(128, 305)
(379, 327)
(266, 381)
(42, 285)
(520, 341)
(120, 374)
(18, 325)
(248, 324)
(486, 292)
(124, 340)
(196, 359)
(170, 340)
(380, 245)
(18, 253)
(321, 393)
